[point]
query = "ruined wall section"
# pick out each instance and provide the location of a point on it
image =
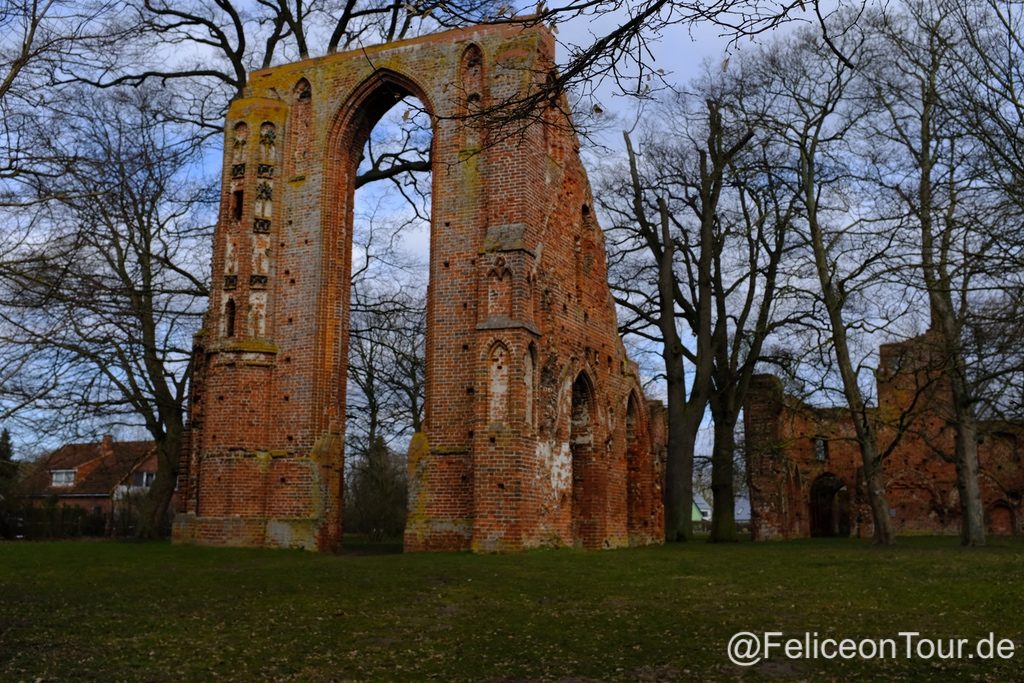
(239, 456)
(526, 440)
(791, 445)
(767, 466)
(573, 309)
(912, 387)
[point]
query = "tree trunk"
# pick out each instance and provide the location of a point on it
(954, 367)
(945, 322)
(155, 505)
(684, 414)
(723, 513)
(726, 381)
(972, 515)
(874, 482)
(679, 465)
(867, 434)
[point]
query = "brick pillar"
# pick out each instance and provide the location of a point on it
(767, 475)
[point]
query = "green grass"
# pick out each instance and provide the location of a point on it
(80, 611)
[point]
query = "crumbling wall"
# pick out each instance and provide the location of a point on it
(792, 445)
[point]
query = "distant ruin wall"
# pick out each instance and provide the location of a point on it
(804, 465)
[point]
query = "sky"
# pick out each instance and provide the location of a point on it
(680, 53)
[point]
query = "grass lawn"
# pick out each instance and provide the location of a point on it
(82, 611)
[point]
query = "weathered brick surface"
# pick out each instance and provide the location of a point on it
(536, 430)
(784, 463)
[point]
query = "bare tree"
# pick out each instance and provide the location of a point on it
(749, 288)
(624, 55)
(645, 271)
(209, 48)
(949, 182)
(805, 95)
(99, 302)
(385, 399)
(34, 34)
(929, 178)
(988, 79)
(385, 406)
(697, 238)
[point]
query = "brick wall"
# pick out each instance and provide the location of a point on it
(804, 464)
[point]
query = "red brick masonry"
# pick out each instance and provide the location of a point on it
(804, 465)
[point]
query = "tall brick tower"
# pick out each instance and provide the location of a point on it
(536, 430)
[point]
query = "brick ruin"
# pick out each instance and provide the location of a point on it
(804, 466)
(536, 432)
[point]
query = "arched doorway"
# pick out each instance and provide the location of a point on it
(1001, 520)
(830, 507)
(378, 294)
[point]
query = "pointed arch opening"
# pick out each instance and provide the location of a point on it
(471, 96)
(238, 143)
(1000, 520)
(380, 221)
(498, 394)
(300, 130)
(638, 466)
(229, 318)
(830, 507)
(584, 467)
(530, 382)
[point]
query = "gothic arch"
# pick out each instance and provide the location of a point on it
(530, 386)
(471, 74)
(300, 129)
(829, 506)
(369, 101)
(229, 321)
(472, 94)
(586, 494)
(635, 418)
(639, 469)
(1000, 519)
(499, 361)
(352, 125)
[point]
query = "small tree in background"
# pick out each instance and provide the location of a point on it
(8, 478)
(376, 496)
(6, 449)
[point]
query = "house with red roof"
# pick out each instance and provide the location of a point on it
(104, 478)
